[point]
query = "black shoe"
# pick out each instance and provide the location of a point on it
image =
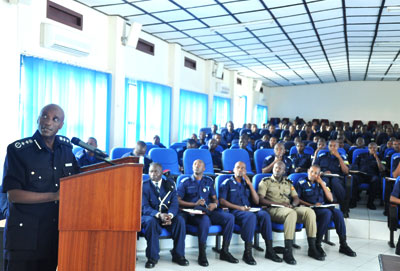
(150, 263)
(287, 253)
(345, 214)
(320, 249)
(227, 256)
(312, 250)
(270, 252)
(180, 260)
(345, 249)
(247, 254)
(371, 206)
(202, 259)
(397, 251)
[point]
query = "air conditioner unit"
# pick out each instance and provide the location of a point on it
(69, 41)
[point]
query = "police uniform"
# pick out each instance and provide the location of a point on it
(142, 160)
(216, 158)
(282, 192)
(301, 160)
(31, 231)
(366, 162)
(84, 159)
(396, 193)
(153, 203)
(227, 137)
(288, 163)
(313, 193)
(329, 162)
(239, 194)
(191, 190)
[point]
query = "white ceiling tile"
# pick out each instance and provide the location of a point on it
(222, 20)
(156, 28)
(327, 14)
(298, 19)
(212, 38)
(329, 30)
(208, 11)
(144, 19)
(297, 27)
(92, 3)
(191, 3)
(328, 23)
(199, 32)
(244, 6)
(280, 3)
(355, 27)
(188, 24)
(321, 5)
(364, 19)
(171, 35)
(123, 10)
(175, 15)
(363, 3)
(241, 35)
(184, 42)
(267, 31)
(156, 5)
(362, 11)
(255, 16)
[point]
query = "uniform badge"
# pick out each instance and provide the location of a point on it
(204, 190)
(17, 145)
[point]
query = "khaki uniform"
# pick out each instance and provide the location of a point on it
(282, 192)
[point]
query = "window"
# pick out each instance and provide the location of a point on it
(145, 47)
(240, 112)
(193, 109)
(222, 111)
(147, 112)
(83, 94)
(261, 115)
(190, 63)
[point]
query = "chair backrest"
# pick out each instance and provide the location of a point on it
(149, 147)
(263, 132)
(145, 177)
(394, 156)
(168, 158)
(219, 180)
(207, 130)
(190, 155)
(177, 146)
(231, 156)
(388, 152)
(117, 152)
(288, 145)
(357, 152)
(295, 177)
(259, 156)
(245, 131)
(180, 178)
(307, 150)
(76, 149)
(257, 179)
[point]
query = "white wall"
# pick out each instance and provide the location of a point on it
(347, 101)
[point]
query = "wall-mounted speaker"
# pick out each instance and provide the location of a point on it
(219, 70)
(133, 36)
(257, 85)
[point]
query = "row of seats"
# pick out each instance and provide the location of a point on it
(217, 230)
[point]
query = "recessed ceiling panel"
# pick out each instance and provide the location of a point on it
(208, 11)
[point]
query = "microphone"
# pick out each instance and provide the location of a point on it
(96, 151)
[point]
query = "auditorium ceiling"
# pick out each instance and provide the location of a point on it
(281, 42)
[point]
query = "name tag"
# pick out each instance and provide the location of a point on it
(68, 164)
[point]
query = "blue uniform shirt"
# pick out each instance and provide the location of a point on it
(31, 231)
(366, 163)
(228, 137)
(84, 159)
(396, 190)
(235, 192)
(288, 163)
(301, 160)
(165, 202)
(310, 192)
(191, 190)
(329, 162)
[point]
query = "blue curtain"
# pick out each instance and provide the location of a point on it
(193, 108)
(261, 115)
(147, 112)
(222, 111)
(83, 94)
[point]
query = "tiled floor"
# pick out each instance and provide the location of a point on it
(361, 211)
(366, 260)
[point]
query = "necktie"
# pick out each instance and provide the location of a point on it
(157, 190)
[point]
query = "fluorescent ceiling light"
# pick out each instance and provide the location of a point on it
(238, 25)
(387, 43)
(393, 9)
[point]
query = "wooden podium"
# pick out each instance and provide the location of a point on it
(100, 214)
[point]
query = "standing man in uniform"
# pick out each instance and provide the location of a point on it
(160, 209)
(237, 193)
(198, 192)
(312, 193)
(333, 163)
(84, 157)
(32, 171)
(279, 190)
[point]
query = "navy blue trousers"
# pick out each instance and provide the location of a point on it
(249, 221)
(325, 216)
(216, 217)
(372, 180)
(337, 187)
(152, 229)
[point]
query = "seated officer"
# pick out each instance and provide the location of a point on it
(371, 166)
(333, 163)
(313, 192)
(254, 132)
(218, 138)
(280, 191)
(198, 192)
(244, 144)
(301, 160)
(156, 141)
(202, 138)
(140, 150)
(273, 140)
(84, 157)
(271, 160)
(190, 144)
(360, 144)
(237, 193)
(160, 209)
(263, 143)
(395, 198)
(273, 132)
(229, 134)
(307, 133)
(215, 154)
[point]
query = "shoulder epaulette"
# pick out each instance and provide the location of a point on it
(22, 143)
(64, 140)
(322, 154)
(302, 181)
(225, 181)
(185, 179)
(268, 157)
